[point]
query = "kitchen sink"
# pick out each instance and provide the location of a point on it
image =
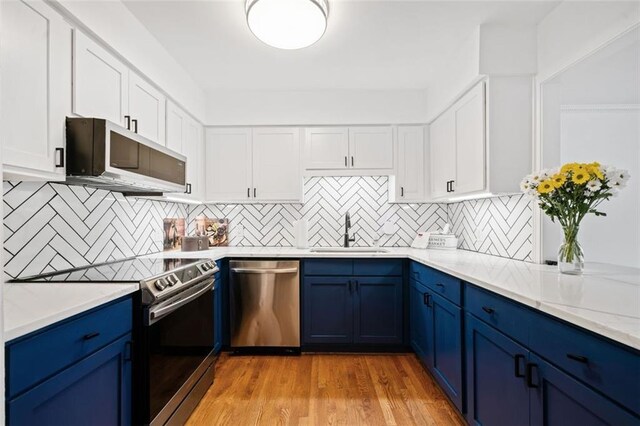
(348, 250)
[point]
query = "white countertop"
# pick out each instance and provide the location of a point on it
(605, 299)
(31, 306)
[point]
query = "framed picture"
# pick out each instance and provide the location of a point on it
(216, 230)
(174, 230)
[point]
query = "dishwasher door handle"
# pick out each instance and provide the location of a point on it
(265, 270)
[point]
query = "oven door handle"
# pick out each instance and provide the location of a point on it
(166, 310)
(264, 270)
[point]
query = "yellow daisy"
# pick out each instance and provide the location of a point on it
(580, 176)
(546, 186)
(569, 167)
(594, 169)
(559, 179)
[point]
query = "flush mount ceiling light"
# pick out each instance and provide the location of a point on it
(287, 24)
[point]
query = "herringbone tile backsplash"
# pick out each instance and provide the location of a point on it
(327, 200)
(50, 227)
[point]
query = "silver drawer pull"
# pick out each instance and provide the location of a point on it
(264, 271)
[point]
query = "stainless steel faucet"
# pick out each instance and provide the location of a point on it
(347, 226)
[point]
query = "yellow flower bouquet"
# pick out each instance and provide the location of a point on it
(567, 195)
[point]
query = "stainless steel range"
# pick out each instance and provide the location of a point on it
(173, 331)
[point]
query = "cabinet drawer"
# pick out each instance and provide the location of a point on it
(377, 267)
(508, 317)
(607, 367)
(443, 284)
(35, 358)
(328, 267)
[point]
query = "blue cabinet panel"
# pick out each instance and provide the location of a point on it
(418, 320)
(219, 306)
(328, 313)
(377, 267)
(378, 310)
(497, 392)
(94, 391)
(604, 365)
(559, 399)
(328, 267)
(509, 317)
(445, 332)
(37, 357)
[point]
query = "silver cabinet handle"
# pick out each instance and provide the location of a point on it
(265, 270)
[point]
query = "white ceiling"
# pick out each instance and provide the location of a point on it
(368, 44)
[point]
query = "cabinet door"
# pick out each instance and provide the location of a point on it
(96, 390)
(378, 310)
(147, 106)
(559, 399)
(35, 84)
(276, 164)
(497, 392)
(176, 128)
(326, 148)
(442, 148)
(194, 151)
(470, 142)
(444, 332)
(100, 82)
(418, 320)
(228, 165)
(370, 148)
(410, 165)
(328, 310)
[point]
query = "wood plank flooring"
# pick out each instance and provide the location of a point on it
(323, 389)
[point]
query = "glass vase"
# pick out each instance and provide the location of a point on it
(570, 254)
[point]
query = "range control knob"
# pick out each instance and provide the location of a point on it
(160, 285)
(205, 266)
(172, 280)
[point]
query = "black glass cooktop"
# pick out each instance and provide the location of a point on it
(128, 270)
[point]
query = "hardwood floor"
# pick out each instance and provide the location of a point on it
(326, 389)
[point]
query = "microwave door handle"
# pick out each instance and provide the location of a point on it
(166, 310)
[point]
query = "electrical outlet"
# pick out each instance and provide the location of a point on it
(481, 235)
(240, 231)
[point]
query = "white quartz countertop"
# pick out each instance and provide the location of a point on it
(604, 300)
(31, 306)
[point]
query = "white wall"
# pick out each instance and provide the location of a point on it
(576, 28)
(454, 75)
(315, 107)
(118, 27)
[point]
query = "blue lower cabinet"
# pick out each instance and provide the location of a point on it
(328, 310)
(497, 391)
(444, 332)
(377, 310)
(93, 391)
(218, 306)
(418, 320)
(558, 399)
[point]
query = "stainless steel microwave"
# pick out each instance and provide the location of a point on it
(101, 154)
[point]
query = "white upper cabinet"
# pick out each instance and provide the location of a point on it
(253, 165)
(194, 150)
(356, 150)
(470, 142)
(228, 165)
(146, 109)
(442, 145)
(276, 164)
(457, 146)
(35, 87)
(176, 128)
(370, 148)
(100, 82)
(410, 175)
(326, 148)
(482, 144)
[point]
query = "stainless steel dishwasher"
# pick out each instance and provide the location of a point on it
(265, 306)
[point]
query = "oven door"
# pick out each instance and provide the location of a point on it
(179, 344)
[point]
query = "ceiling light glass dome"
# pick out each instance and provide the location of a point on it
(287, 24)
